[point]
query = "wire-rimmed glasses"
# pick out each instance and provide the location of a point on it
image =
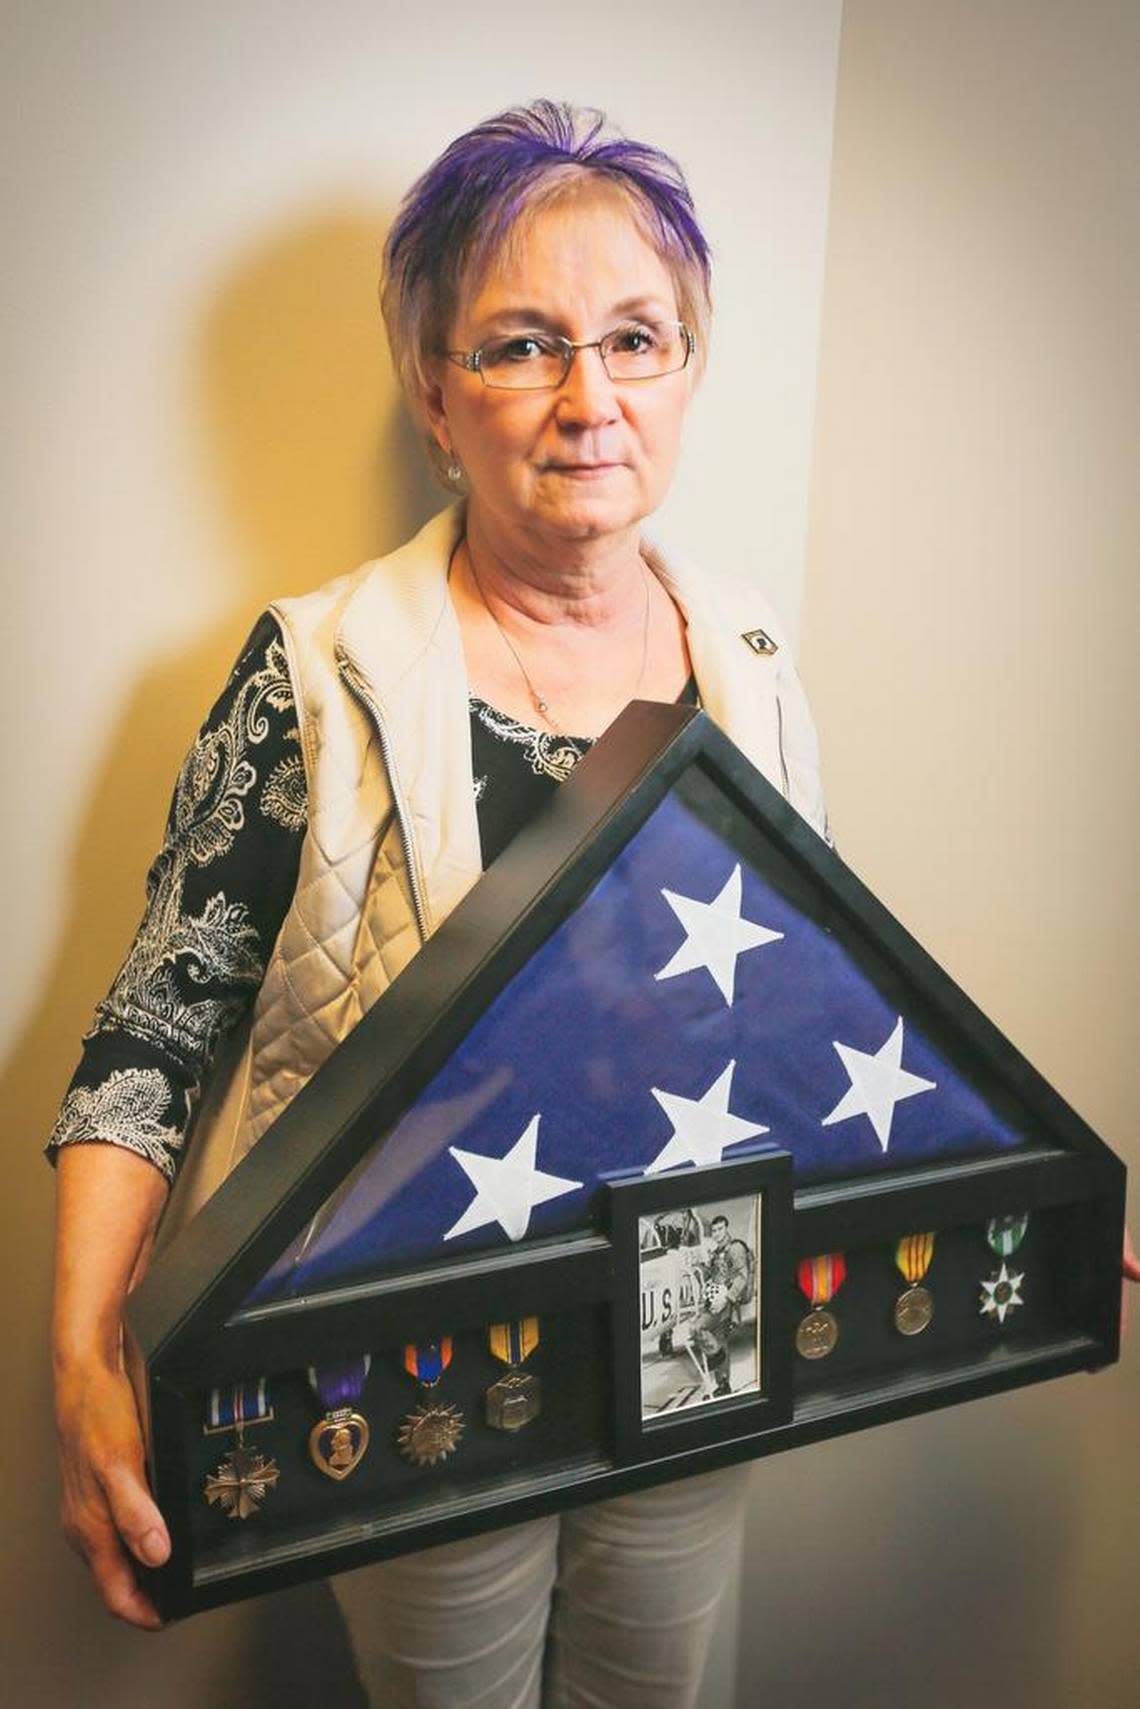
(540, 361)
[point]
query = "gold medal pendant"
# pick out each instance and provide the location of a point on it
(819, 1279)
(515, 1400)
(816, 1334)
(338, 1441)
(432, 1431)
(914, 1308)
(243, 1478)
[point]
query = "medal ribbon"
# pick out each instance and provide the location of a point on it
(513, 1342)
(342, 1385)
(820, 1277)
(428, 1360)
(235, 1407)
(1004, 1234)
(913, 1254)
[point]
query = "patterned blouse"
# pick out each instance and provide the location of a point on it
(220, 886)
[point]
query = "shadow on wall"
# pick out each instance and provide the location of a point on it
(319, 467)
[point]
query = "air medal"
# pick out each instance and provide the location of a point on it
(243, 1477)
(914, 1308)
(516, 1398)
(339, 1440)
(431, 1432)
(819, 1279)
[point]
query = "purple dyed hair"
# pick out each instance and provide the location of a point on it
(466, 206)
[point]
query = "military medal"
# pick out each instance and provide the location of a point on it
(243, 1477)
(914, 1307)
(1004, 1234)
(819, 1278)
(430, 1432)
(338, 1441)
(516, 1398)
(1001, 1292)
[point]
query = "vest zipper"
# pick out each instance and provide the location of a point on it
(780, 744)
(356, 684)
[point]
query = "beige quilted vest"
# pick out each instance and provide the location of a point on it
(392, 843)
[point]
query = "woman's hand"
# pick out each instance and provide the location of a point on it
(1130, 1264)
(107, 1512)
(108, 1204)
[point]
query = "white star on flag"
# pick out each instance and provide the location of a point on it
(715, 935)
(702, 1127)
(878, 1082)
(507, 1188)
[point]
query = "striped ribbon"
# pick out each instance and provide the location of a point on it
(241, 1404)
(513, 1342)
(428, 1360)
(819, 1278)
(913, 1254)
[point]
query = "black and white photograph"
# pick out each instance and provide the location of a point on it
(700, 1319)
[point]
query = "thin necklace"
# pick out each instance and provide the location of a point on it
(541, 704)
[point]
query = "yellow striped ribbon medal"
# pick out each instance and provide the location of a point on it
(914, 1308)
(819, 1279)
(516, 1398)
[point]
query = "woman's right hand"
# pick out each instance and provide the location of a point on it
(107, 1511)
(108, 1204)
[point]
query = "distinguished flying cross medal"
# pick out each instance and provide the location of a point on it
(1000, 1292)
(243, 1477)
(819, 1279)
(914, 1307)
(516, 1398)
(338, 1441)
(431, 1432)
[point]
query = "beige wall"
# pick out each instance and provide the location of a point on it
(971, 619)
(203, 417)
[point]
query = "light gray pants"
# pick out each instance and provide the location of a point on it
(630, 1589)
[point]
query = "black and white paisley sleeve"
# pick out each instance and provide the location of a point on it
(217, 893)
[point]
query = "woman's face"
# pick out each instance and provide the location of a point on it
(595, 456)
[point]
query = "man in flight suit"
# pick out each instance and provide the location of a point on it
(728, 1284)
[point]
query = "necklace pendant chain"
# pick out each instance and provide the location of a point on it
(541, 704)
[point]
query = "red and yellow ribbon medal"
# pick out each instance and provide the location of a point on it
(431, 1431)
(820, 1279)
(914, 1308)
(516, 1398)
(244, 1477)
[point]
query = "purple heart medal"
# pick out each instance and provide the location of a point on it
(339, 1440)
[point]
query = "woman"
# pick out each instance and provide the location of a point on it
(546, 296)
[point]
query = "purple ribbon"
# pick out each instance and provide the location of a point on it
(340, 1385)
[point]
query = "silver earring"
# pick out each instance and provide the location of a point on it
(454, 471)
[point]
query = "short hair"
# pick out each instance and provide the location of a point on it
(464, 208)
(719, 1217)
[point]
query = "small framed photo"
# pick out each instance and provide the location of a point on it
(699, 1307)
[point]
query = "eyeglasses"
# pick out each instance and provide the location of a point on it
(540, 361)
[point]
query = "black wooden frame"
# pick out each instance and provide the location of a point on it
(189, 1330)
